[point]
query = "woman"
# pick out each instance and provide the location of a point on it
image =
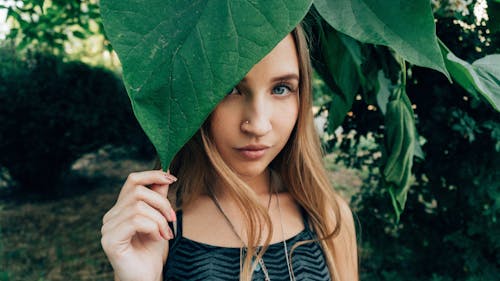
(253, 199)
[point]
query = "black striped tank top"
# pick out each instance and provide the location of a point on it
(189, 260)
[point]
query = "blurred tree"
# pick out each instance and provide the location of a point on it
(52, 112)
(68, 28)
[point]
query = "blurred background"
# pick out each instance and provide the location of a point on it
(68, 140)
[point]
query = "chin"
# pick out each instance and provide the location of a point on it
(250, 171)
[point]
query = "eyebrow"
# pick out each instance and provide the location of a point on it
(290, 76)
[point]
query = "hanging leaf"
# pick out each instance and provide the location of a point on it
(481, 78)
(180, 58)
(407, 27)
(384, 91)
(400, 143)
(400, 139)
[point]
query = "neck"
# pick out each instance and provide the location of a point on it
(259, 183)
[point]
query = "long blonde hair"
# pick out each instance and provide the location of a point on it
(299, 165)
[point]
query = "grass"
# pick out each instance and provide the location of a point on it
(60, 240)
(56, 240)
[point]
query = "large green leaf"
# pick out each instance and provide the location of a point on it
(180, 58)
(481, 78)
(405, 26)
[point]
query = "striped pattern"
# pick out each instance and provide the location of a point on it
(189, 260)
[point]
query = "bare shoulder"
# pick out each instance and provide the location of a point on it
(347, 219)
(345, 253)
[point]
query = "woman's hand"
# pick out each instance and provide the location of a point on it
(135, 231)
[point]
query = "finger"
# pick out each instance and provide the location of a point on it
(126, 230)
(137, 224)
(170, 175)
(163, 191)
(142, 193)
(154, 176)
(163, 188)
(139, 209)
(147, 178)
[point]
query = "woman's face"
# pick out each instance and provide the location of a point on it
(252, 124)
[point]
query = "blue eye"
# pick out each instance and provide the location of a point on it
(281, 90)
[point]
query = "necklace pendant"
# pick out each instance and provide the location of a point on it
(257, 268)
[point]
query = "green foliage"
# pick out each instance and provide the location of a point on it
(48, 25)
(52, 112)
(481, 78)
(198, 48)
(181, 57)
(178, 67)
(388, 23)
(370, 71)
(400, 143)
(452, 212)
(494, 15)
(338, 60)
(450, 227)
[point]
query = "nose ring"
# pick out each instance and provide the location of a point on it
(244, 123)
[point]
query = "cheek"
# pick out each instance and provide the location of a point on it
(286, 116)
(216, 128)
(221, 123)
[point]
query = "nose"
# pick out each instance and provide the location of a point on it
(257, 117)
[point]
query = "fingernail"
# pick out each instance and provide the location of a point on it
(168, 179)
(167, 175)
(173, 178)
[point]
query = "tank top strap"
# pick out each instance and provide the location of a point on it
(305, 219)
(178, 226)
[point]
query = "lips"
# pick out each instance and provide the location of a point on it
(253, 152)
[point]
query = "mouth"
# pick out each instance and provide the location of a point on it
(253, 152)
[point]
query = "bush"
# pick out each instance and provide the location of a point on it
(449, 229)
(52, 112)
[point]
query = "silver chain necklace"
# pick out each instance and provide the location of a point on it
(261, 260)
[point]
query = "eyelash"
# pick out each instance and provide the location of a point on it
(283, 85)
(288, 87)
